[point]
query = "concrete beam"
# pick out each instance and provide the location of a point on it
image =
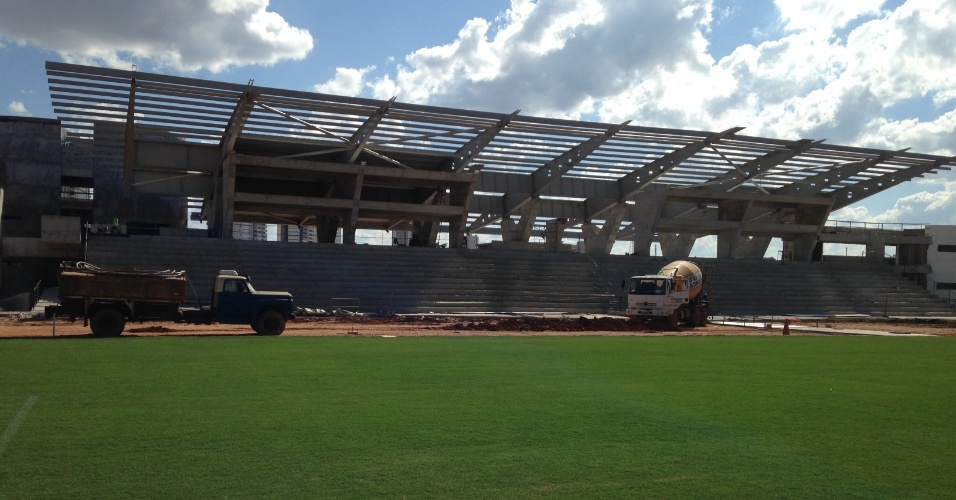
(302, 205)
(237, 121)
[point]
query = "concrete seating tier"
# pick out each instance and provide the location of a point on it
(420, 280)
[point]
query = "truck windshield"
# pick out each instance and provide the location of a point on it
(648, 287)
(240, 286)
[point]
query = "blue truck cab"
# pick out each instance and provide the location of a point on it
(235, 301)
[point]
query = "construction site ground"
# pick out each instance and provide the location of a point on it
(13, 326)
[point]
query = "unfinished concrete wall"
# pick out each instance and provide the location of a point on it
(110, 201)
(30, 159)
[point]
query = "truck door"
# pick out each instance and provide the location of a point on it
(234, 303)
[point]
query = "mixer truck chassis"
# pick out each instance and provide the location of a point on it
(675, 295)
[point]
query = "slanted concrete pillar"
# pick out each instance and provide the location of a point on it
(326, 227)
(753, 248)
(424, 234)
(510, 228)
(804, 245)
(593, 242)
(521, 229)
(601, 241)
(677, 246)
(554, 233)
(645, 213)
(727, 240)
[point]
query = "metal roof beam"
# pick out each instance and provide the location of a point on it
(554, 169)
(361, 136)
(754, 168)
(637, 180)
(851, 194)
(833, 176)
(470, 150)
(329, 133)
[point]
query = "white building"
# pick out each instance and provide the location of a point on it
(297, 234)
(253, 231)
(941, 257)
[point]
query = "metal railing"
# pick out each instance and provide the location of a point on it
(873, 226)
(949, 297)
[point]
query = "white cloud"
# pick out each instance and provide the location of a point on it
(179, 34)
(924, 207)
(824, 15)
(556, 58)
(17, 108)
(649, 62)
(347, 81)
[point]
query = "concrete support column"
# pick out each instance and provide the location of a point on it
(753, 248)
(424, 234)
(214, 208)
(804, 245)
(459, 196)
(677, 246)
(228, 196)
(645, 213)
(876, 249)
(554, 233)
(350, 224)
(727, 244)
(600, 241)
(521, 230)
(326, 228)
(727, 240)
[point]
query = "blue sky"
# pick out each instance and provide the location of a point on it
(866, 73)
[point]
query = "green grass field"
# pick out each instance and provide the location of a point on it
(478, 417)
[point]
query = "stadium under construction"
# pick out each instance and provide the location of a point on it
(158, 155)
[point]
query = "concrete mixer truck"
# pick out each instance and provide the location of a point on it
(673, 294)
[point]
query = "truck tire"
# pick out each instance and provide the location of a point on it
(703, 317)
(107, 322)
(693, 318)
(270, 322)
(673, 320)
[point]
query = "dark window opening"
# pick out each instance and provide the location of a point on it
(946, 248)
(76, 188)
(946, 286)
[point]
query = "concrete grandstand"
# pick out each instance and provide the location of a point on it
(148, 149)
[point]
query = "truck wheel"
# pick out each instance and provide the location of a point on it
(270, 323)
(693, 318)
(107, 322)
(673, 320)
(703, 317)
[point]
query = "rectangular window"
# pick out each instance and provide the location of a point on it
(76, 188)
(946, 286)
(946, 248)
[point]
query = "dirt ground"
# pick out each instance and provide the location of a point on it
(12, 327)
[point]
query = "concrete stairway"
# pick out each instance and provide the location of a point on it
(409, 280)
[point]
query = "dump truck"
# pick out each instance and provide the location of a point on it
(107, 298)
(674, 294)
